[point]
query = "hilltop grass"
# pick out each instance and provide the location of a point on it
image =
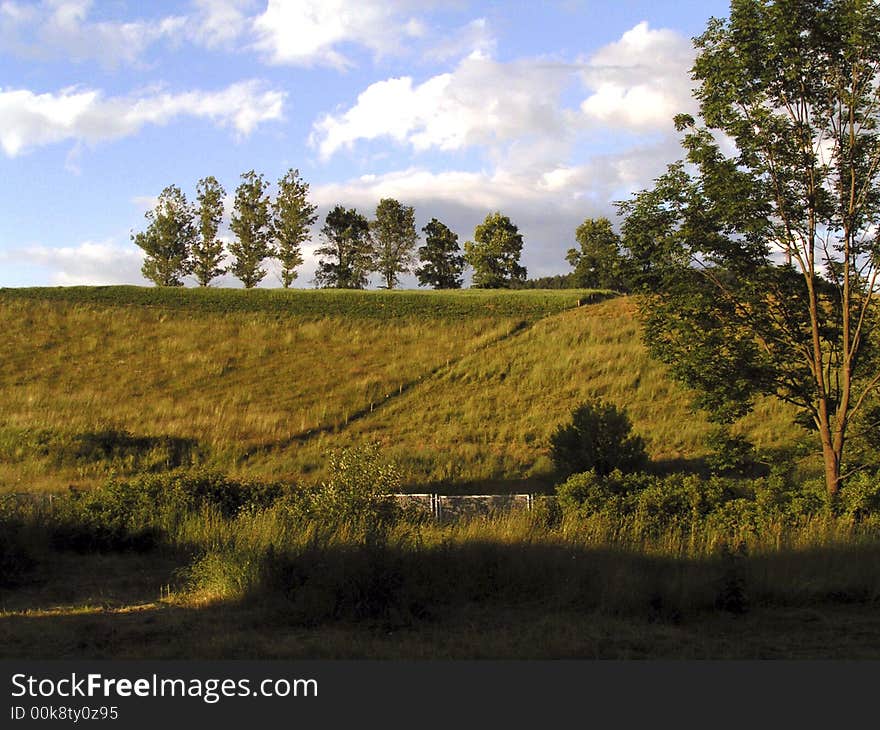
(462, 389)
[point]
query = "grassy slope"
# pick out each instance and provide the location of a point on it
(463, 389)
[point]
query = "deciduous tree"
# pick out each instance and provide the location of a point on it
(597, 261)
(292, 217)
(494, 253)
(251, 224)
(441, 261)
(168, 239)
(763, 262)
(394, 237)
(346, 256)
(207, 249)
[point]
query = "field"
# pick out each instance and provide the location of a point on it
(462, 390)
(209, 517)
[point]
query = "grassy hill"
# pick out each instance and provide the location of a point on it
(463, 389)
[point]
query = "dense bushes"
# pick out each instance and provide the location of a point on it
(722, 503)
(598, 438)
(123, 515)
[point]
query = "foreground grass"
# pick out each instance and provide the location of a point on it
(265, 585)
(462, 389)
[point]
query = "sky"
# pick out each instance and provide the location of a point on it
(546, 111)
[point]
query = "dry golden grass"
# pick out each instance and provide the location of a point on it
(456, 401)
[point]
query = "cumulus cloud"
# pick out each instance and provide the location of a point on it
(481, 102)
(62, 29)
(546, 206)
(89, 263)
(311, 32)
(640, 81)
(28, 119)
(219, 23)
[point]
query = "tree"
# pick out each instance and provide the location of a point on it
(598, 438)
(346, 258)
(597, 261)
(251, 224)
(442, 262)
(207, 249)
(395, 237)
(763, 265)
(168, 239)
(292, 216)
(494, 253)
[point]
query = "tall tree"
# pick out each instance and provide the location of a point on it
(346, 257)
(292, 217)
(597, 262)
(494, 253)
(764, 264)
(251, 224)
(441, 259)
(395, 237)
(168, 239)
(207, 249)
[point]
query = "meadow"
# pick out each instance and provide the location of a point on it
(218, 465)
(461, 389)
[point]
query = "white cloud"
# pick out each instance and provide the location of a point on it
(547, 206)
(309, 32)
(30, 120)
(219, 23)
(474, 37)
(89, 263)
(640, 81)
(62, 29)
(481, 102)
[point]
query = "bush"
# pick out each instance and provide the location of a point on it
(729, 454)
(132, 515)
(358, 492)
(598, 438)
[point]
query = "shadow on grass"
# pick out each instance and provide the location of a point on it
(478, 598)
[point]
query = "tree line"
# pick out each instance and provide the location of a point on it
(181, 239)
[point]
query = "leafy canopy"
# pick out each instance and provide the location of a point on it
(441, 261)
(251, 224)
(347, 254)
(495, 252)
(168, 239)
(292, 217)
(761, 264)
(207, 249)
(395, 237)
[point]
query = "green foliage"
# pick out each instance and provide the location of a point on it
(357, 492)
(728, 453)
(441, 261)
(292, 217)
(762, 265)
(252, 226)
(599, 437)
(207, 249)
(597, 262)
(495, 252)
(134, 514)
(395, 237)
(168, 239)
(347, 256)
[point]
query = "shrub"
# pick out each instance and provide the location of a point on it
(358, 492)
(729, 454)
(598, 438)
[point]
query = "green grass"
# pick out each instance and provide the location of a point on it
(462, 389)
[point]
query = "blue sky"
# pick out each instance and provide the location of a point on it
(546, 111)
